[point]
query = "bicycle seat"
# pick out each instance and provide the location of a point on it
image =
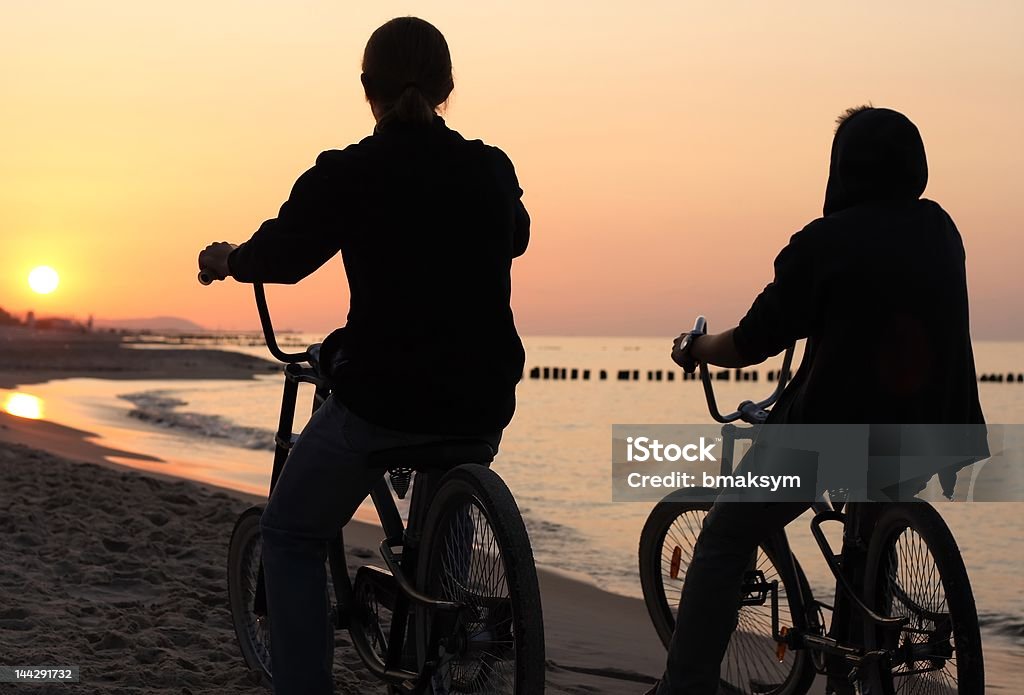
(434, 455)
(313, 352)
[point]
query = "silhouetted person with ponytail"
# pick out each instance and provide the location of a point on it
(427, 223)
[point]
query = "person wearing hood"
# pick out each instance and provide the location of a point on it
(877, 286)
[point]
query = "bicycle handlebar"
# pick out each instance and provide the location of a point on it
(268, 330)
(748, 410)
(207, 278)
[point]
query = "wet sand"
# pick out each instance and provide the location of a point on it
(30, 357)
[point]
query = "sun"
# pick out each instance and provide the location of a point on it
(43, 280)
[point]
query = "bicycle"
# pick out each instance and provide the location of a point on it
(455, 609)
(904, 618)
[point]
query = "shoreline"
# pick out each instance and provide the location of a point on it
(87, 589)
(81, 594)
(597, 641)
(32, 357)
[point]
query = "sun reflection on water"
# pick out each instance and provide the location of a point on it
(24, 405)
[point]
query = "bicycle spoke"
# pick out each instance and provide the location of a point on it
(750, 664)
(256, 627)
(472, 572)
(913, 590)
(683, 535)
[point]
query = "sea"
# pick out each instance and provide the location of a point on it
(555, 456)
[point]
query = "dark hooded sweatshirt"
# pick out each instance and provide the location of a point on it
(427, 223)
(878, 288)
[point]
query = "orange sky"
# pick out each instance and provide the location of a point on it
(666, 152)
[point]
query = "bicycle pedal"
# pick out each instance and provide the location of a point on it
(755, 589)
(379, 583)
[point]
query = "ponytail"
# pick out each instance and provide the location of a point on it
(407, 69)
(412, 107)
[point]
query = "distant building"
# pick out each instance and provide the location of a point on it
(59, 324)
(7, 319)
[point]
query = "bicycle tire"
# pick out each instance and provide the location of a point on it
(475, 495)
(905, 535)
(252, 631)
(799, 675)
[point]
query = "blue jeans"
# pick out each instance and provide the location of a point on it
(324, 480)
(710, 601)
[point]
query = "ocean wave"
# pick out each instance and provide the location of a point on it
(161, 408)
(1003, 625)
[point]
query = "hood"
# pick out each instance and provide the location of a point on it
(877, 154)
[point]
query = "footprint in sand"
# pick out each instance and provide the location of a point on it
(26, 540)
(15, 625)
(147, 655)
(111, 640)
(177, 498)
(210, 573)
(117, 593)
(14, 613)
(115, 546)
(156, 518)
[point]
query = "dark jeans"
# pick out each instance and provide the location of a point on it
(323, 482)
(709, 604)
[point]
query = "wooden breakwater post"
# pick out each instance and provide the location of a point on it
(745, 375)
(752, 375)
(1009, 378)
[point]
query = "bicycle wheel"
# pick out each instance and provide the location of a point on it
(476, 552)
(750, 664)
(914, 570)
(252, 630)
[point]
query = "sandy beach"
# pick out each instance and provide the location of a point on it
(123, 573)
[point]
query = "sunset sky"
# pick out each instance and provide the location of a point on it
(667, 150)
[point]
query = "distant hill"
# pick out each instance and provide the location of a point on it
(156, 323)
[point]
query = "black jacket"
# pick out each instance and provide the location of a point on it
(878, 287)
(427, 223)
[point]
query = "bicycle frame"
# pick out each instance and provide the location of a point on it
(303, 367)
(844, 566)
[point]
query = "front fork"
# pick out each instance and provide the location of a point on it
(284, 438)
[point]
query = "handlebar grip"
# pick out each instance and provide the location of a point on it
(206, 277)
